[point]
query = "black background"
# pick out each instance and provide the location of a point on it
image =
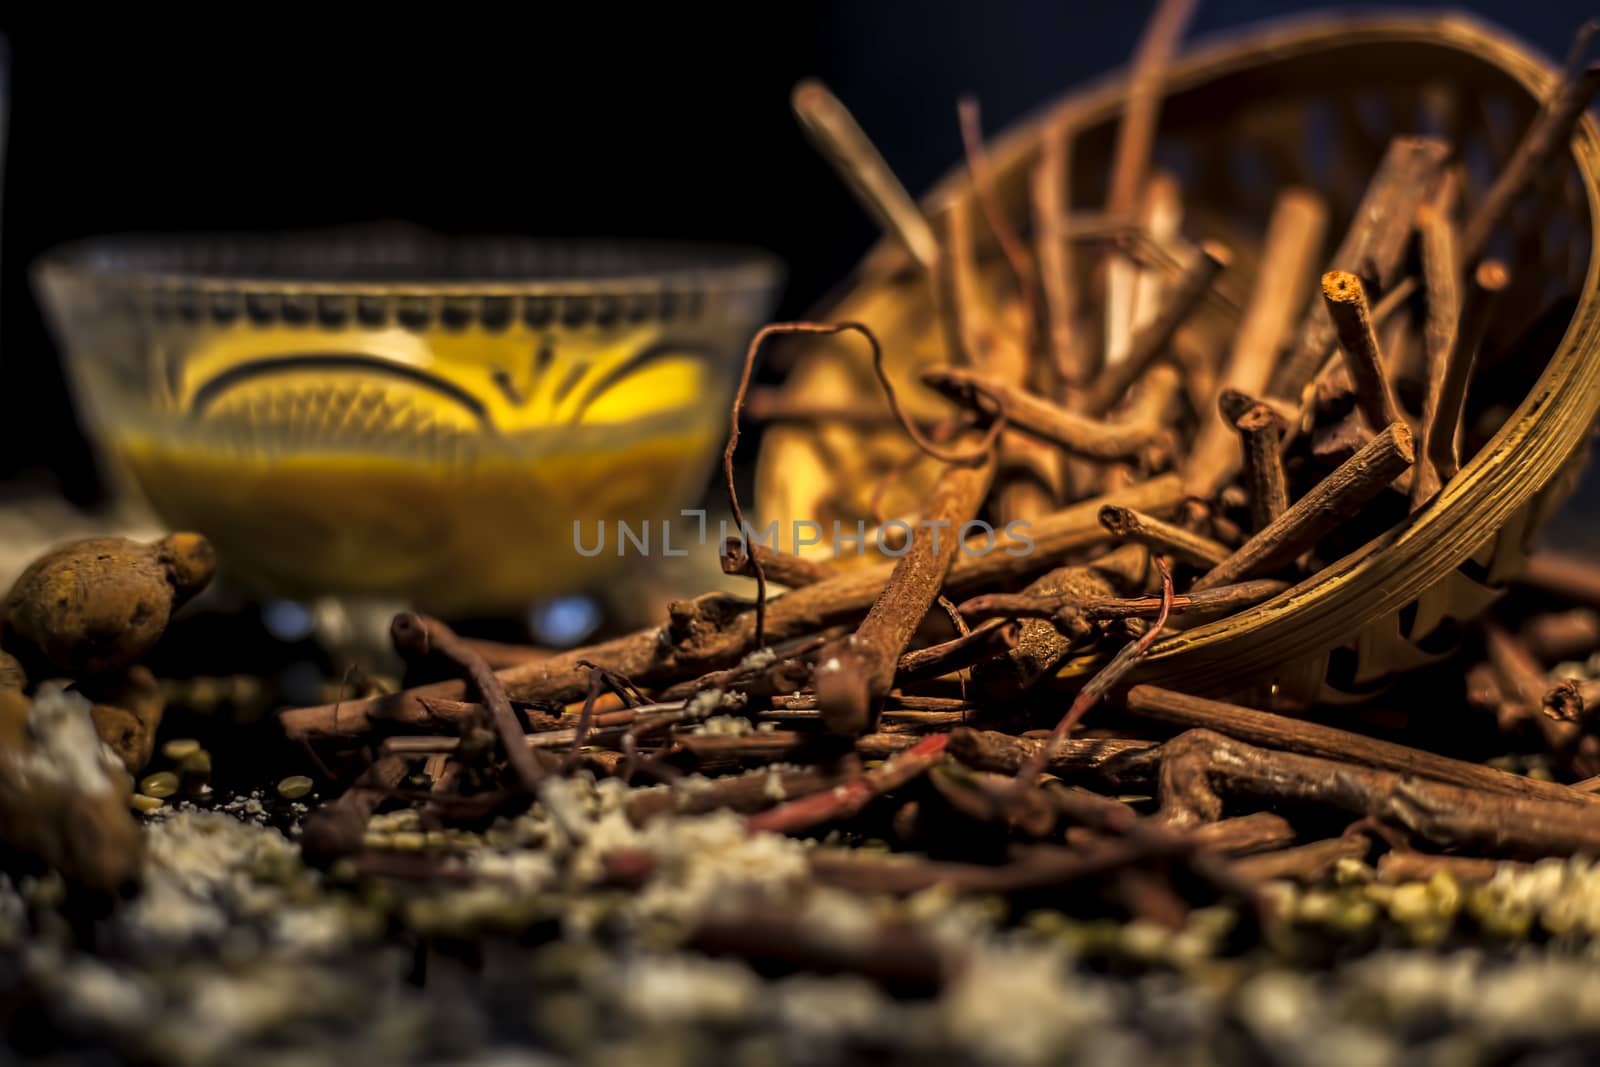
(664, 121)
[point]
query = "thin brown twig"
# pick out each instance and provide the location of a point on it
(740, 553)
(957, 289)
(1523, 687)
(1105, 609)
(771, 330)
(1130, 524)
(1136, 131)
(1346, 301)
(1199, 767)
(1440, 272)
(1579, 49)
(1374, 245)
(1154, 339)
(1044, 643)
(1103, 681)
(1554, 636)
(1118, 763)
(1489, 280)
(1051, 200)
(1328, 742)
(580, 733)
(857, 671)
(1078, 434)
(941, 431)
(1308, 863)
(835, 132)
(419, 635)
(1332, 391)
(982, 453)
(1338, 496)
(847, 799)
(991, 639)
(1570, 577)
(1004, 233)
(1261, 432)
(336, 828)
(1549, 134)
(1407, 866)
(1288, 258)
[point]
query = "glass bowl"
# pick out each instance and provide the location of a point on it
(401, 415)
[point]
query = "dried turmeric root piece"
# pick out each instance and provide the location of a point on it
(12, 676)
(97, 606)
(63, 798)
(127, 713)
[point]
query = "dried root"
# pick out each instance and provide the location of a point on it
(97, 606)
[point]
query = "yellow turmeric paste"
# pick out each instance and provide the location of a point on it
(443, 466)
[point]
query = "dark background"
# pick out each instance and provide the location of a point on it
(666, 121)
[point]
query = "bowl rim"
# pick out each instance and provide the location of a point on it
(619, 265)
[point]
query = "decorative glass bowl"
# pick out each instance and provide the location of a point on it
(401, 415)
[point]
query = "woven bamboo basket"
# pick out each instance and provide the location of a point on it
(1310, 103)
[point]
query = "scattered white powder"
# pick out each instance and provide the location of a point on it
(759, 660)
(704, 703)
(612, 832)
(247, 808)
(216, 1015)
(391, 822)
(317, 929)
(1565, 894)
(1527, 999)
(1288, 1012)
(844, 920)
(568, 802)
(1145, 940)
(1278, 1006)
(703, 860)
(65, 751)
(1021, 1004)
(949, 919)
(212, 880)
(611, 794)
(90, 991)
(841, 1006)
(200, 868)
(710, 701)
(692, 783)
(678, 989)
(725, 726)
(1536, 998)
(523, 870)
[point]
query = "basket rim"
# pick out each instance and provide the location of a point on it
(1537, 439)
